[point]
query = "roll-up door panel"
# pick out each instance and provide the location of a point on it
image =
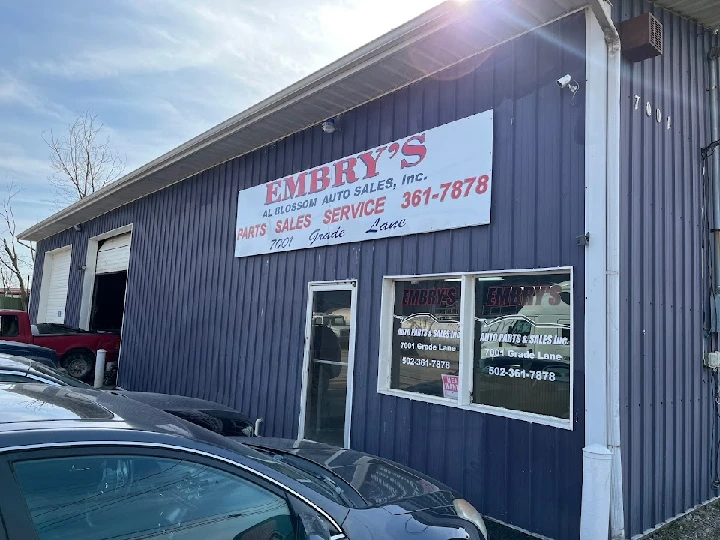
(57, 287)
(113, 255)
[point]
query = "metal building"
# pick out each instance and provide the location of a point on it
(479, 245)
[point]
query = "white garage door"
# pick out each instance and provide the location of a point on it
(57, 284)
(113, 255)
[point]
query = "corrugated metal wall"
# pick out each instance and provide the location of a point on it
(202, 323)
(668, 436)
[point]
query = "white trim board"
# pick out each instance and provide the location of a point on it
(602, 499)
(595, 225)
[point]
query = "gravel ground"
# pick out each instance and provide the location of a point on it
(702, 524)
(496, 531)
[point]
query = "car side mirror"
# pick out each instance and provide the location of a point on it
(315, 526)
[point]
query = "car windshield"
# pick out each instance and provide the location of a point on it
(58, 376)
(314, 477)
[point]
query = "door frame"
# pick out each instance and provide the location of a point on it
(89, 278)
(313, 286)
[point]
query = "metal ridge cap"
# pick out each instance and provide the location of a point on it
(376, 50)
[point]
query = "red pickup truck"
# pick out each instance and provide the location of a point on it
(76, 348)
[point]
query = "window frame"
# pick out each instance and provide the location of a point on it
(17, 331)
(320, 286)
(467, 335)
(28, 377)
(20, 523)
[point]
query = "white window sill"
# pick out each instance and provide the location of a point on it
(415, 396)
(532, 418)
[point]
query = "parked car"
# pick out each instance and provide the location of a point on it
(337, 323)
(213, 416)
(39, 354)
(85, 464)
(76, 348)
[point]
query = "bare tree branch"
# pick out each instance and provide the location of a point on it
(15, 263)
(82, 160)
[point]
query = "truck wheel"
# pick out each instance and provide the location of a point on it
(79, 365)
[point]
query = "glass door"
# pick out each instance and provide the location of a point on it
(327, 376)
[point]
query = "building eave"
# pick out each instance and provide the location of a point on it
(425, 45)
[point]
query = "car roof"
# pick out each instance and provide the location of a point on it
(36, 413)
(34, 406)
(165, 402)
(9, 361)
(10, 345)
(29, 411)
(22, 403)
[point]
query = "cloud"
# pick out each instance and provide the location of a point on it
(15, 92)
(24, 165)
(159, 72)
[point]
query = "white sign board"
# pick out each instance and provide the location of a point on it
(434, 180)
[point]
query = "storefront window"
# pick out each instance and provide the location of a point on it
(426, 337)
(515, 360)
(521, 357)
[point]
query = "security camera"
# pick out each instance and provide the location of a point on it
(562, 82)
(329, 126)
(568, 82)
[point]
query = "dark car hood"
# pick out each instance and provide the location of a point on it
(34, 352)
(171, 401)
(208, 414)
(378, 481)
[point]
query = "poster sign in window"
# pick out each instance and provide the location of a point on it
(522, 349)
(450, 386)
(433, 180)
(426, 337)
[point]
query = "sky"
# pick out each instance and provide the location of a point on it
(157, 72)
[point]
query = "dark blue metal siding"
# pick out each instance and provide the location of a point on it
(202, 323)
(668, 439)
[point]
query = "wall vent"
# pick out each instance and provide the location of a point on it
(642, 37)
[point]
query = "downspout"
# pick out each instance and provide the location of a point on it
(602, 11)
(617, 514)
(714, 248)
(714, 60)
